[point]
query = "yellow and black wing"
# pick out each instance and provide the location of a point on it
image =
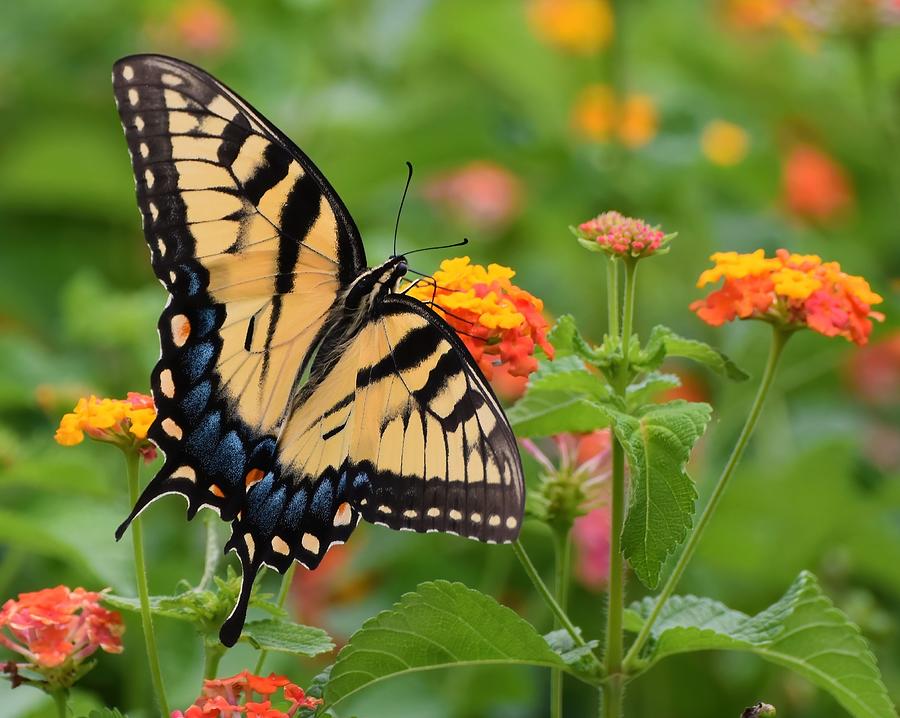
(397, 426)
(253, 246)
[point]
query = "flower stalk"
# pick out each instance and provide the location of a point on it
(779, 339)
(133, 462)
(281, 599)
(562, 544)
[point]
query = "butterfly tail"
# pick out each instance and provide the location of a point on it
(160, 486)
(234, 624)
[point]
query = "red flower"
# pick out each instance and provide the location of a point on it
(234, 696)
(590, 534)
(56, 626)
(815, 185)
(874, 372)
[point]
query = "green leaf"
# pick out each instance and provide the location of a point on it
(658, 443)
(441, 624)
(567, 340)
(272, 634)
(648, 388)
(544, 413)
(106, 713)
(677, 346)
(803, 631)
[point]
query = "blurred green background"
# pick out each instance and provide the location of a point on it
(734, 122)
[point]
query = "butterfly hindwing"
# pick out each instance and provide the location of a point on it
(253, 245)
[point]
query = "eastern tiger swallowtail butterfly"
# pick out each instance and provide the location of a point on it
(296, 389)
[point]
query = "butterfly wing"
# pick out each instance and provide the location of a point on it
(253, 246)
(397, 426)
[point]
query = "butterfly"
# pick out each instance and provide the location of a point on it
(297, 389)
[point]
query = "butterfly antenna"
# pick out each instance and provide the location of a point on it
(464, 242)
(409, 168)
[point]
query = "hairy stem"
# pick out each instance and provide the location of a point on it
(279, 601)
(612, 292)
(562, 544)
(212, 552)
(133, 464)
(60, 700)
(615, 615)
(544, 592)
(212, 654)
(779, 338)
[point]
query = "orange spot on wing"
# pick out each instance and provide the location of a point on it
(253, 476)
(216, 491)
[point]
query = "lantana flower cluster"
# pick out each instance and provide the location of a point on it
(58, 628)
(498, 322)
(623, 236)
(237, 696)
(791, 290)
(123, 422)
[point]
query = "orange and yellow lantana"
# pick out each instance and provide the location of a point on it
(599, 115)
(497, 321)
(792, 290)
(118, 421)
(579, 26)
(226, 697)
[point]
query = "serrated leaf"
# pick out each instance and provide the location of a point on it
(648, 388)
(545, 413)
(678, 346)
(272, 634)
(803, 631)
(581, 658)
(441, 624)
(658, 443)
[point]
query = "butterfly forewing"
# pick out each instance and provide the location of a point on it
(253, 246)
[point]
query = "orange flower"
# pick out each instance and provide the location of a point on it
(579, 26)
(57, 626)
(497, 321)
(600, 116)
(203, 25)
(481, 194)
(815, 186)
(231, 697)
(123, 422)
(790, 290)
(622, 236)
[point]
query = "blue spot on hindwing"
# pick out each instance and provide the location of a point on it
(264, 505)
(204, 322)
(293, 515)
(195, 401)
(229, 458)
(202, 441)
(197, 359)
(322, 500)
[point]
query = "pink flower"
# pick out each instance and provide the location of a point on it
(622, 236)
(481, 195)
(590, 535)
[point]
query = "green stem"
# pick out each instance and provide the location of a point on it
(60, 700)
(612, 659)
(779, 338)
(279, 601)
(615, 613)
(133, 464)
(562, 544)
(628, 318)
(212, 654)
(612, 295)
(212, 552)
(542, 589)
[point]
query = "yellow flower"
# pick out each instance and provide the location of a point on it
(732, 265)
(724, 143)
(499, 323)
(638, 121)
(600, 116)
(580, 26)
(123, 422)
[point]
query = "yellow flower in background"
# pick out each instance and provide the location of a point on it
(638, 121)
(123, 422)
(724, 143)
(580, 26)
(599, 116)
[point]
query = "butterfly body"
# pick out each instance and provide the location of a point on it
(297, 390)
